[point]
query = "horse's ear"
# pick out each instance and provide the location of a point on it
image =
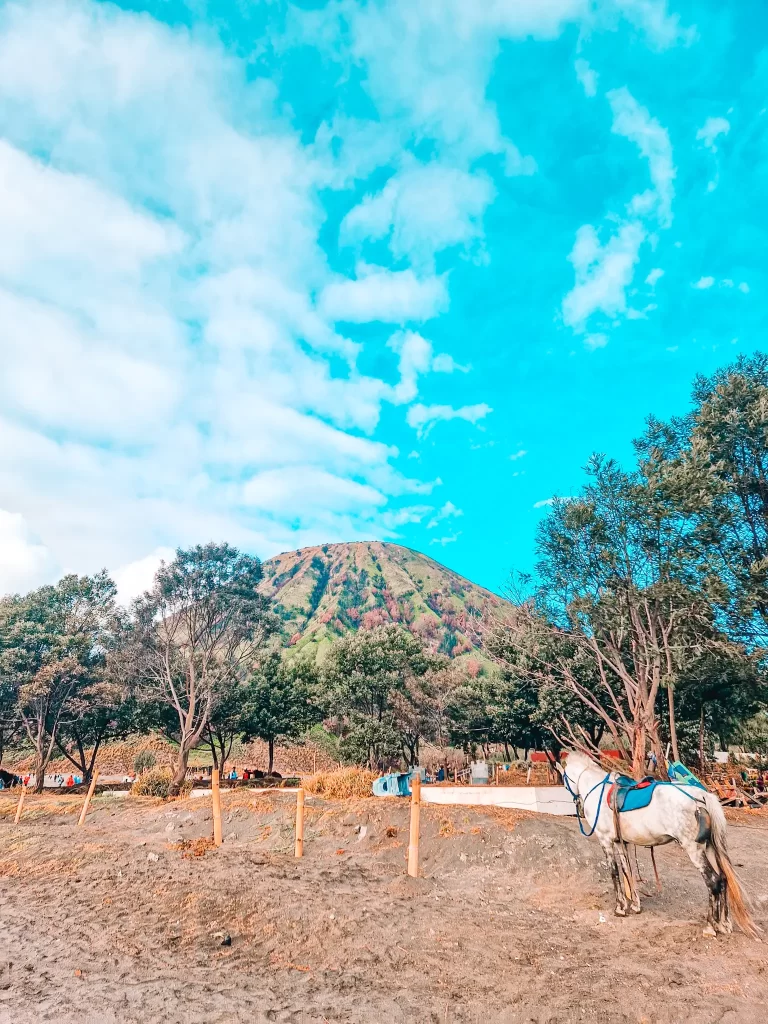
(559, 768)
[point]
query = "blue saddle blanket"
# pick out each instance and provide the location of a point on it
(629, 795)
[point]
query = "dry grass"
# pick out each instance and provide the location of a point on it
(341, 784)
(157, 782)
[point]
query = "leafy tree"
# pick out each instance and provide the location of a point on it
(369, 679)
(101, 711)
(280, 702)
(53, 644)
(618, 615)
(714, 461)
(194, 634)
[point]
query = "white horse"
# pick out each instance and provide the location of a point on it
(686, 815)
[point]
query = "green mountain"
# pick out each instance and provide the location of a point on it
(323, 592)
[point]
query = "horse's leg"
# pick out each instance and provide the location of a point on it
(715, 883)
(609, 849)
(638, 875)
(626, 868)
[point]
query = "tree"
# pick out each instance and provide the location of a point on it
(101, 711)
(618, 614)
(365, 675)
(10, 719)
(53, 644)
(279, 703)
(715, 463)
(194, 634)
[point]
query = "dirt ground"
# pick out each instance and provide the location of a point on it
(121, 921)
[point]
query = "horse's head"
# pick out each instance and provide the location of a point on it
(575, 764)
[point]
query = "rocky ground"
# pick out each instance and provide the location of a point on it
(133, 918)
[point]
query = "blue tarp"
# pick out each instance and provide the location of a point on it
(394, 784)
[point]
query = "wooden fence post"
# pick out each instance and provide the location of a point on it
(91, 788)
(413, 841)
(216, 794)
(20, 804)
(299, 850)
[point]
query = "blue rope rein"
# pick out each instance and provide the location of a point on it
(576, 798)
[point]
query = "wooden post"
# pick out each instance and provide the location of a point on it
(91, 788)
(216, 794)
(413, 842)
(20, 804)
(299, 850)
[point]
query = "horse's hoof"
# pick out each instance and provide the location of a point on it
(620, 912)
(636, 910)
(709, 932)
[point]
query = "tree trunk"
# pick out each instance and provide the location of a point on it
(701, 742)
(271, 743)
(672, 724)
(40, 759)
(506, 751)
(180, 772)
(88, 771)
(639, 741)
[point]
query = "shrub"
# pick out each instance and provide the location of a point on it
(156, 781)
(144, 759)
(345, 782)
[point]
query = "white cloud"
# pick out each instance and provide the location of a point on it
(424, 417)
(443, 363)
(654, 276)
(587, 77)
(652, 16)
(422, 210)
(597, 340)
(552, 501)
(603, 273)
(441, 97)
(136, 577)
(290, 490)
(710, 131)
(744, 287)
(450, 539)
(24, 562)
(703, 283)
(518, 454)
(391, 296)
(448, 511)
(635, 123)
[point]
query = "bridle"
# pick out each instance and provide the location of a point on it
(578, 800)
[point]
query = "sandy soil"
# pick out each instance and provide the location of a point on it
(120, 921)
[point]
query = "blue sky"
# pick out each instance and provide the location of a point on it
(286, 274)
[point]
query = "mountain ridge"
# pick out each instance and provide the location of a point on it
(325, 591)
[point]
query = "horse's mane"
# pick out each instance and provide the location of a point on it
(580, 759)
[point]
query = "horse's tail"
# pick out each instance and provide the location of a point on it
(741, 912)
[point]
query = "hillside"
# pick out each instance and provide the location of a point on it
(322, 593)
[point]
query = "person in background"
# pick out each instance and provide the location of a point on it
(233, 774)
(760, 783)
(70, 781)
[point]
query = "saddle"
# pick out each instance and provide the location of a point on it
(627, 795)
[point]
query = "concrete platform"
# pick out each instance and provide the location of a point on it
(544, 799)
